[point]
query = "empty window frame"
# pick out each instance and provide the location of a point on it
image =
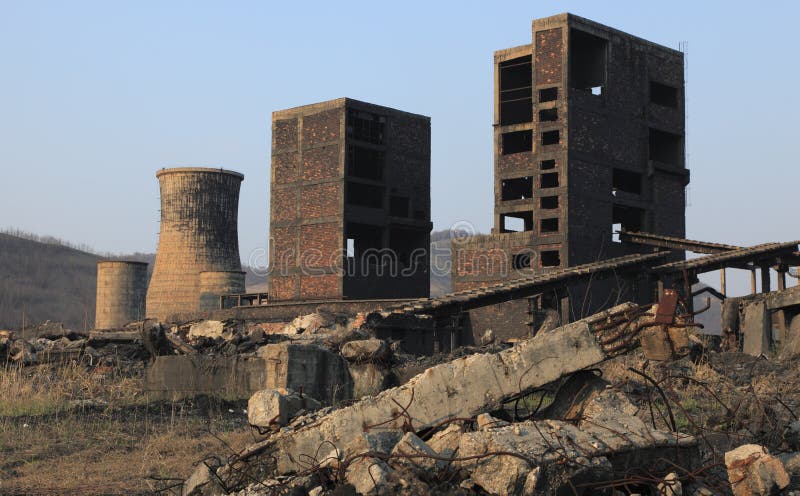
(588, 57)
(664, 95)
(551, 137)
(516, 222)
(366, 126)
(628, 218)
(548, 115)
(521, 261)
(548, 226)
(547, 164)
(364, 195)
(360, 238)
(548, 202)
(550, 258)
(409, 246)
(365, 163)
(517, 142)
(665, 147)
(518, 188)
(626, 181)
(548, 95)
(398, 206)
(516, 101)
(548, 180)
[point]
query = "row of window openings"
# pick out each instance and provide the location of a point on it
(366, 126)
(547, 258)
(588, 70)
(522, 141)
(521, 188)
(367, 195)
(663, 146)
(622, 218)
(517, 108)
(362, 240)
(523, 222)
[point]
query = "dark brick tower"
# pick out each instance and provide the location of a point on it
(350, 209)
(588, 138)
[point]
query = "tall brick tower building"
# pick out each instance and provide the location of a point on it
(588, 139)
(350, 210)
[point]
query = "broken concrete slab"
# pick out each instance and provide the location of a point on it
(309, 369)
(466, 386)
(445, 442)
(486, 421)
(753, 471)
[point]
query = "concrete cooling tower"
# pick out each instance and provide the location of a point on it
(199, 211)
(121, 290)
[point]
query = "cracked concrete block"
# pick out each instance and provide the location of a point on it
(756, 328)
(445, 442)
(411, 451)
(277, 406)
(368, 379)
(753, 471)
(309, 369)
(368, 475)
(670, 486)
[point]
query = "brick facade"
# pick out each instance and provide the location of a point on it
(358, 171)
(589, 131)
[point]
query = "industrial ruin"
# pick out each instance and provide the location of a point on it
(565, 359)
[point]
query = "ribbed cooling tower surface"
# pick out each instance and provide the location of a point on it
(199, 211)
(121, 289)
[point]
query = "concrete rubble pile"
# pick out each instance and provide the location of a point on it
(467, 426)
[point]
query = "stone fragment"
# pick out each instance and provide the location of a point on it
(445, 442)
(486, 421)
(670, 486)
(211, 329)
(488, 337)
(411, 451)
(753, 471)
(310, 323)
(277, 406)
(368, 475)
(365, 350)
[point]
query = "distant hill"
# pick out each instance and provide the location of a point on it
(44, 279)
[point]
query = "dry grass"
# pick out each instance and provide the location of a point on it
(48, 446)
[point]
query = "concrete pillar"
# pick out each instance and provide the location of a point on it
(757, 329)
(765, 279)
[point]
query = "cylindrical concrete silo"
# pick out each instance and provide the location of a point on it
(199, 211)
(215, 284)
(121, 290)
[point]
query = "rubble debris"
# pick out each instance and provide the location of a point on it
(753, 471)
(365, 350)
(475, 384)
(670, 486)
(270, 407)
(411, 451)
(487, 337)
(211, 329)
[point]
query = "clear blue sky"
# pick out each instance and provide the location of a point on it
(96, 96)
